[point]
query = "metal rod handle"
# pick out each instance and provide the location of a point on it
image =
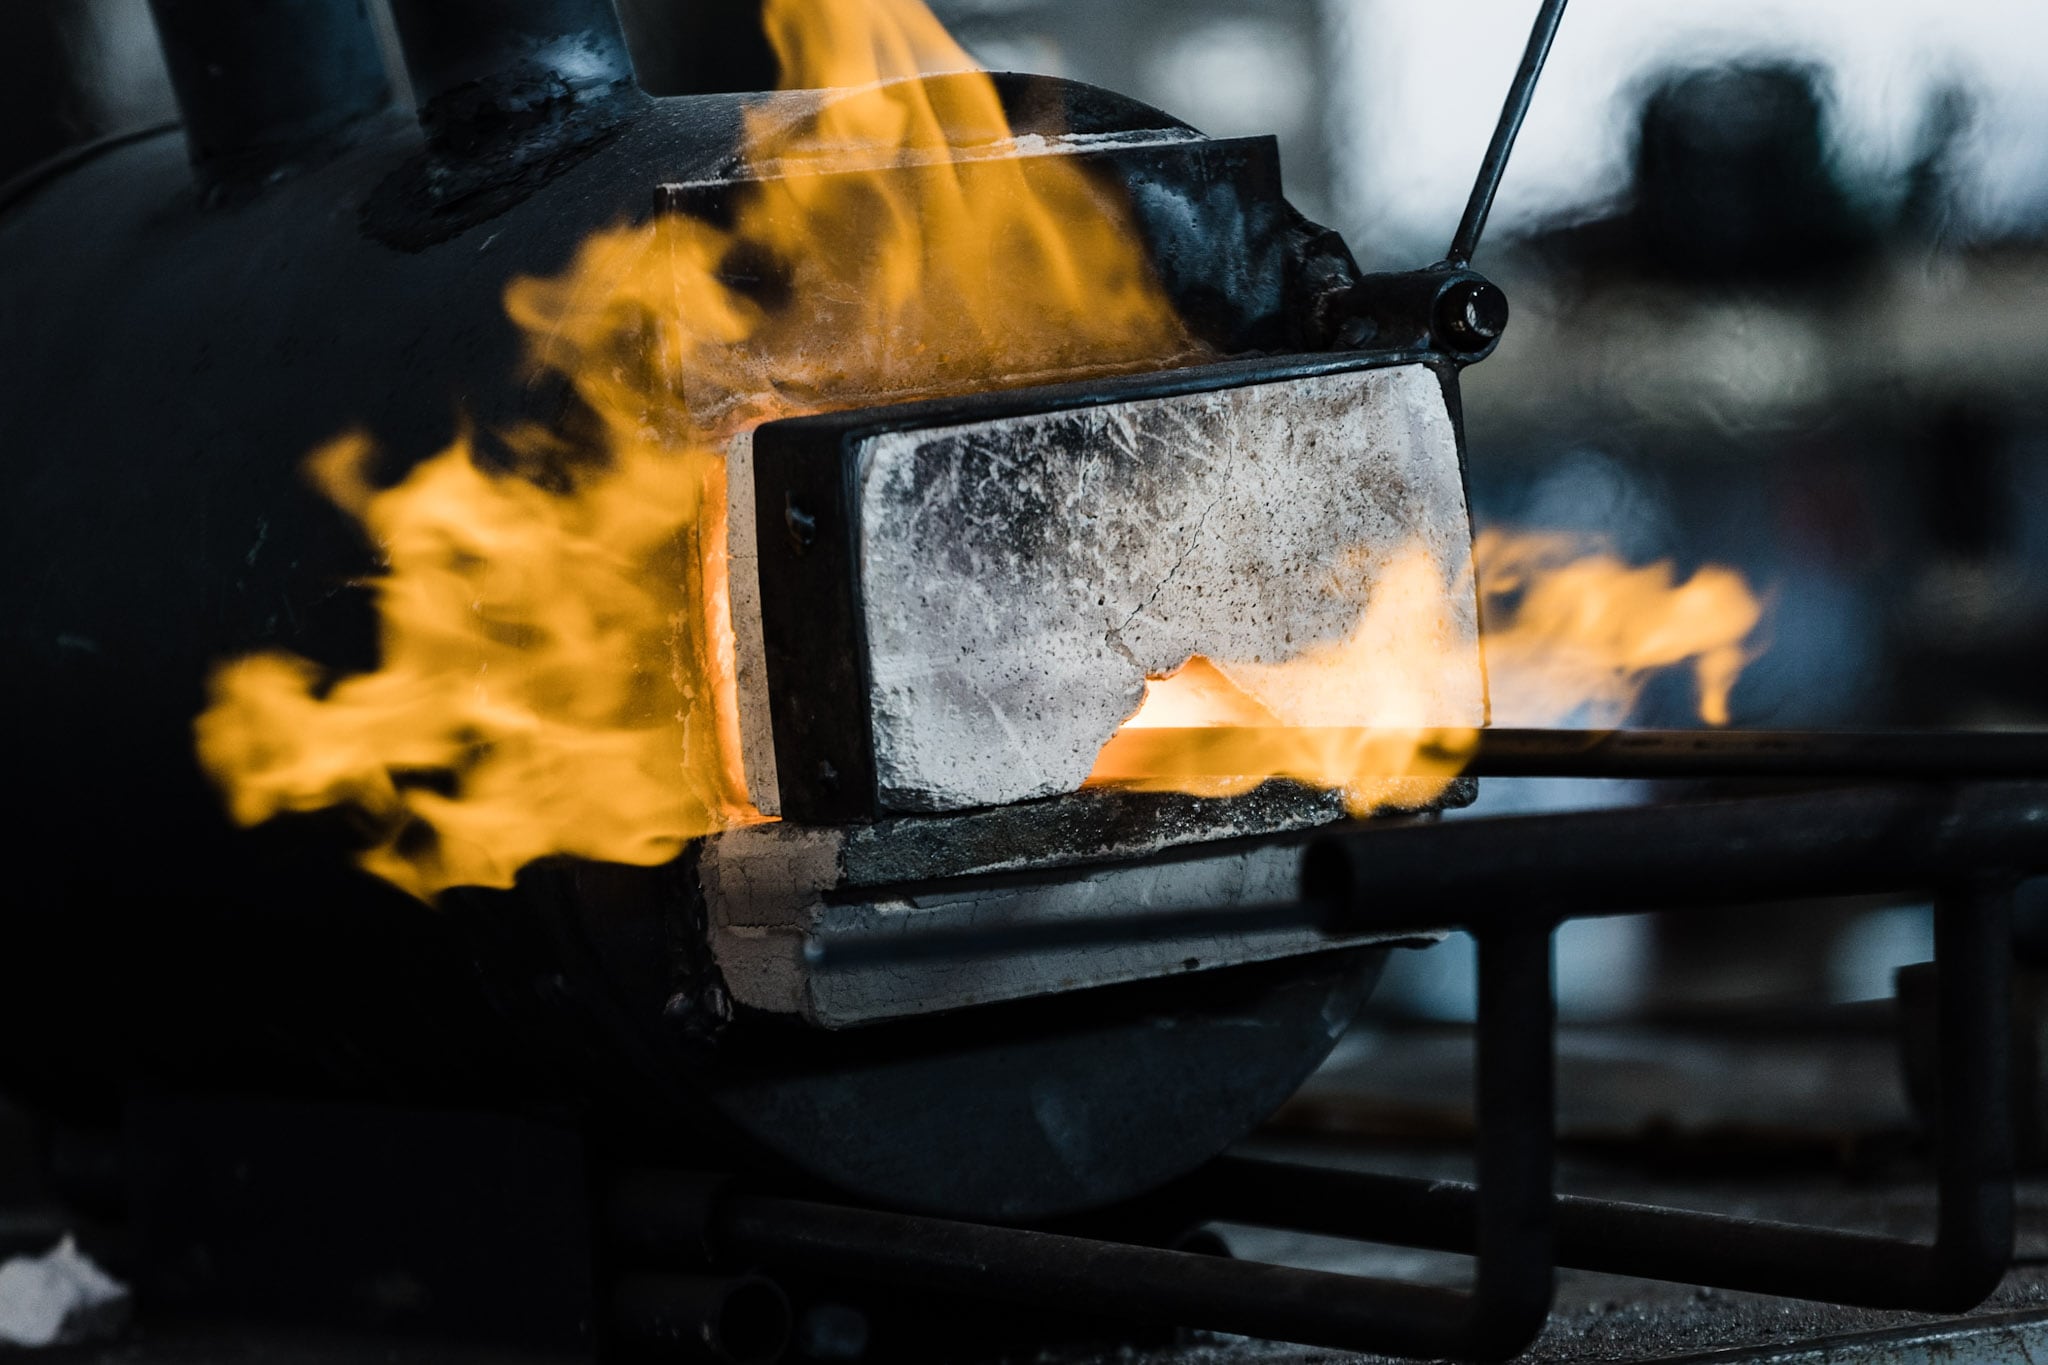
(1466, 240)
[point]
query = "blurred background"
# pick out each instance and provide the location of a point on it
(1780, 301)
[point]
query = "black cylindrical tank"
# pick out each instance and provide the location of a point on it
(171, 357)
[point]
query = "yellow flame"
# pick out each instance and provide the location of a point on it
(1571, 635)
(557, 661)
(556, 672)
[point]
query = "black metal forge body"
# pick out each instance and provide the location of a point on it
(175, 347)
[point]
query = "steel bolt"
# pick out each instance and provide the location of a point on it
(1471, 315)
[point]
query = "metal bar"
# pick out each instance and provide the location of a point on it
(477, 64)
(263, 84)
(1510, 1217)
(1080, 1274)
(912, 943)
(1412, 878)
(1969, 1256)
(1520, 93)
(1515, 1099)
(1862, 840)
(1895, 755)
(1512, 1220)
(1237, 750)
(734, 1320)
(1973, 1030)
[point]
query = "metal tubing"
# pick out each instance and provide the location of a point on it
(1855, 841)
(1973, 1031)
(1480, 204)
(666, 1216)
(1232, 751)
(1112, 1279)
(1515, 1100)
(263, 84)
(1510, 1222)
(478, 65)
(1614, 1238)
(1817, 754)
(844, 950)
(1403, 878)
(1970, 1253)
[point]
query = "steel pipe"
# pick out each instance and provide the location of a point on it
(1861, 840)
(1230, 751)
(263, 84)
(735, 1320)
(482, 66)
(1400, 878)
(1466, 240)
(1956, 1272)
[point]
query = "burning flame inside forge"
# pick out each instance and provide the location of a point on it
(561, 672)
(1571, 635)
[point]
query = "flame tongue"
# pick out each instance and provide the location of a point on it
(557, 670)
(1571, 636)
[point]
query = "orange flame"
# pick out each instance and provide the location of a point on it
(557, 660)
(1571, 635)
(557, 664)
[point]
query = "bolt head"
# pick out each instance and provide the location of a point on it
(1471, 315)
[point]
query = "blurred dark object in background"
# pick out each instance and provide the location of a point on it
(1734, 180)
(80, 70)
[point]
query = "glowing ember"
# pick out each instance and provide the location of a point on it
(1570, 633)
(556, 672)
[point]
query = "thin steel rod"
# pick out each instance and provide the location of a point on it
(1232, 751)
(1897, 755)
(1413, 878)
(1466, 241)
(1080, 1274)
(911, 943)
(1676, 855)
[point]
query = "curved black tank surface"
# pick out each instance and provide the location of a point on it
(171, 357)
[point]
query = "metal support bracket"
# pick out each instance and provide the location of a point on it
(1974, 1173)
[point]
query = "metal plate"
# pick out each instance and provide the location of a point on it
(959, 603)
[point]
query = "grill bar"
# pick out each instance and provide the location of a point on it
(1524, 869)
(1234, 750)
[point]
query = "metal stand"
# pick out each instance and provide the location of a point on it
(1509, 1214)
(1969, 1255)
(1971, 842)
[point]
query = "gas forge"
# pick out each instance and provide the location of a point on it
(597, 547)
(930, 460)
